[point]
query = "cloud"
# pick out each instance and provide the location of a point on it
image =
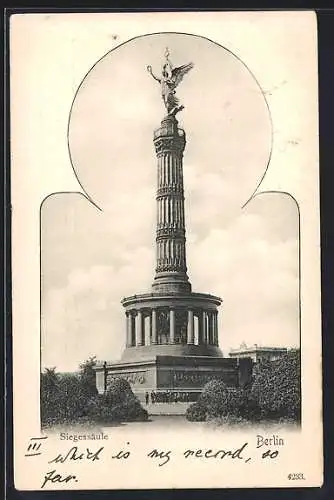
(85, 317)
(256, 276)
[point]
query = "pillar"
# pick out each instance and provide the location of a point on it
(216, 329)
(172, 326)
(133, 315)
(169, 143)
(128, 329)
(139, 329)
(190, 331)
(204, 328)
(210, 328)
(213, 336)
(154, 326)
(147, 327)
(200, 328)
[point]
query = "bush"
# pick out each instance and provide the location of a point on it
(127, 406)
(276, 387)
(220, 399)
(196, 412)
(119, 391)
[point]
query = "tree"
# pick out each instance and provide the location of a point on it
(73, 398)
(276, 386)
(87, 376)
(49, 394)
(63, 397)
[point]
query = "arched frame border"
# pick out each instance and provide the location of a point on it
(255, 193)
(167, 33)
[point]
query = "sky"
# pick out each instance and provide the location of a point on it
(92, 258)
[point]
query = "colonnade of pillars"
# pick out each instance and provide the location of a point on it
(140, 332)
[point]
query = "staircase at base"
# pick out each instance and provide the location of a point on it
(166, 408)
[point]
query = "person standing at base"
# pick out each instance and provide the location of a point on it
(147, 398)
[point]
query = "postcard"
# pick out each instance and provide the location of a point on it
(165, 250)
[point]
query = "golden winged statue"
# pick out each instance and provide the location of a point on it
(170, 78)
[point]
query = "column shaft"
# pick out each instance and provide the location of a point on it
(200, 329)
(213, 336)
(139, 329)
(133, 330)
(128, 330)
(154, 326)
(147, 327)
(210, 328)
(163, 170)
(216, 329)
(204, 328)
(172, 326)
(169, 143)
(190, 331)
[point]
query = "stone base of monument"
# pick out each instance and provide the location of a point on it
(173, 379)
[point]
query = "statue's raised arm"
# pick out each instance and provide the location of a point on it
(170, 79)
(149, 69)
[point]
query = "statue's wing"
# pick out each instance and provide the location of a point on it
(178, 73)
